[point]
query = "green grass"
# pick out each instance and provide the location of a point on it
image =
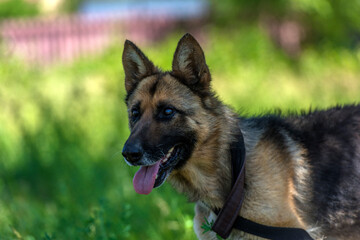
(62, 128)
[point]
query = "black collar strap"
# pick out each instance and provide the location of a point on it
(228, 217)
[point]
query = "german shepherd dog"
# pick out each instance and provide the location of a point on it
(302, 170)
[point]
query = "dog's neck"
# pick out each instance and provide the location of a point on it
(207, 175)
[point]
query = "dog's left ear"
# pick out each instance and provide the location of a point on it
(136, 66)
(189, 64)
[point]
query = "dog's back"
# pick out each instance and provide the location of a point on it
(332, 140)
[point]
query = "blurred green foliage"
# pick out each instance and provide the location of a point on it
(62, 128)
(328, 22)
(71, 6)
(17, 8)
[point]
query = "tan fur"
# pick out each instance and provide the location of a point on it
(208, 168)
(268, 198)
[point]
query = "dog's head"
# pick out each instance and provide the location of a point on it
(166, 111)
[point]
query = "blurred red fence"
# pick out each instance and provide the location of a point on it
(51, 40)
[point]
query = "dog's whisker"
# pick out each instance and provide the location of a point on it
(116, 154)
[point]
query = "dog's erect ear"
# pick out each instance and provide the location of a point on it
(136, 65)
(189, 64)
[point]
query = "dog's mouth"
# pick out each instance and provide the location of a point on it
(152, 176)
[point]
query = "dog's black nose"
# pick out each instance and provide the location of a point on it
(132, 152)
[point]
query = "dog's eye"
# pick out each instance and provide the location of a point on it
(135, 113)
(168, 111)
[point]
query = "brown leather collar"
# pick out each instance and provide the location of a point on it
(228, 214)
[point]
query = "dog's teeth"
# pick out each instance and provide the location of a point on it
(167, 155)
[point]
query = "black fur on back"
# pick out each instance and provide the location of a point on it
(332, 141)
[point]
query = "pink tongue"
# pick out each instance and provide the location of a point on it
(144, 179)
